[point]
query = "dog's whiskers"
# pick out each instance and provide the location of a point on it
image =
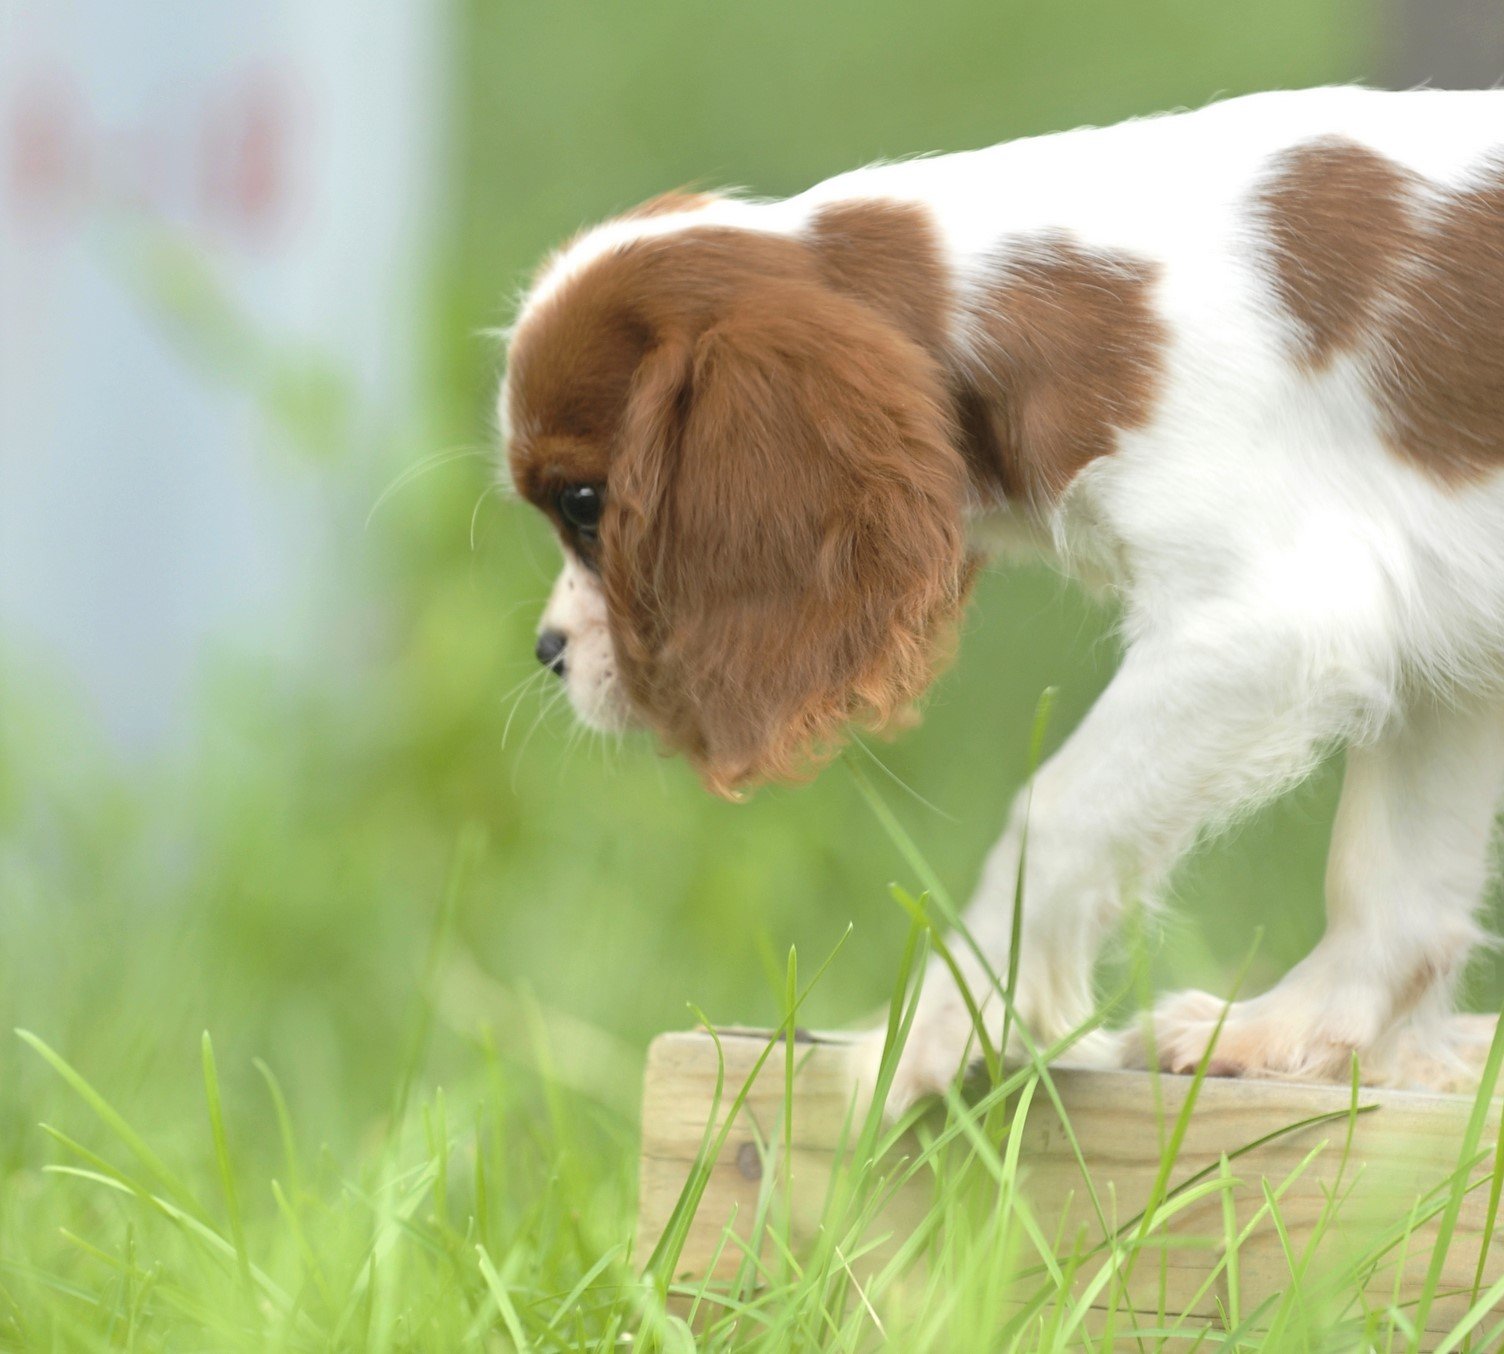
(475, 511)
(420, 468)
(533, 602)
(550, 703)
(518, 694)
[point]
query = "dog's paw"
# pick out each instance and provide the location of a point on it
(943, 1047)
(1446, 1055)
(939, 1049)
(1174, 1036)
(1290, 1040)
(1274, 1036)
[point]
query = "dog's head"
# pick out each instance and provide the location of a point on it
(752, 474)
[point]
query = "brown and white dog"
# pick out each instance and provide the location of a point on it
(1244, 367)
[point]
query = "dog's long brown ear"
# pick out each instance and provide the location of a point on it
(642, 468)
(786, 551)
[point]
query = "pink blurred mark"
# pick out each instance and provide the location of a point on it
(247, 155)
(224, 159)
(46, 148)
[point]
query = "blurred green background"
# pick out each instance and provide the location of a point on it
(277, 879)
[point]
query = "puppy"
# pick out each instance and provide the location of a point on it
(1244, 367)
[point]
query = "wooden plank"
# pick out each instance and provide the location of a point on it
(1404, 1148)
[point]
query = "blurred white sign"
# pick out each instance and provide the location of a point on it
(190, 192)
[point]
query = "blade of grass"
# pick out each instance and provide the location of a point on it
(469, 847)
(937, 892)
(1042, 711)
(1491, 1214)
(310, 1258)
(1230, 1242)
(666, 1253)
(1470, 1138)
(227, 1172)
(915, 907)
(284, 1126)
(791, 996)
(1291, 1297)
(106, 1113)
(503, 1300)
(1171, 1153)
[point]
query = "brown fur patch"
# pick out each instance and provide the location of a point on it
(782, 547)
(678, 200)
(1071, 353)
(887, 254)
(1339, 221)
(1370, 258)
(1444, 375)
(569, 370)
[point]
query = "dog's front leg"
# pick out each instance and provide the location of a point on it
(1195, 725)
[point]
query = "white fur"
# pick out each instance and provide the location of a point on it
(576, 608)
(1286, 582)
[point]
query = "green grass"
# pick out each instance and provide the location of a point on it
(496, 1213)
(428, 929)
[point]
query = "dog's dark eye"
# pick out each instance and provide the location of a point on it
(580, 505)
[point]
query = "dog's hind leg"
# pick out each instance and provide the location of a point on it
(1409, 862)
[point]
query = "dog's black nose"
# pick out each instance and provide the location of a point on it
(550, 651)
